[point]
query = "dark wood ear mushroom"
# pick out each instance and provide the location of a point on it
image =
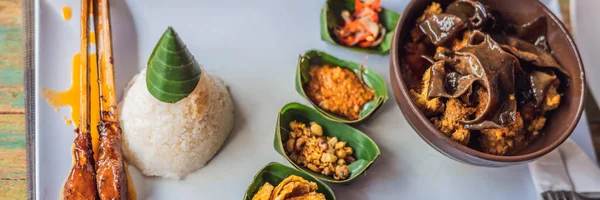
(470, 11)
(533, 32)
(483, 61)
(442, 27)
(487, 82)
(492, 61)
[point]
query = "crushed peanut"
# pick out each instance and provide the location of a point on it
(320, 154)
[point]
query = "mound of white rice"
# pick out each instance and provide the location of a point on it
(173, 139)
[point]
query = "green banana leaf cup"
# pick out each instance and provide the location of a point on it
(369, 77)
(275, 172)
(365, 149)
(331, 16)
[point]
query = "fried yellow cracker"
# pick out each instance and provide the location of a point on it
(264, 193)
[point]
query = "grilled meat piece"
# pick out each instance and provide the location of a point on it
(81, 182)
(111, 178)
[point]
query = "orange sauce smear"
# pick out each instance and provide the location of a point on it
(66, 12)
(70, 98)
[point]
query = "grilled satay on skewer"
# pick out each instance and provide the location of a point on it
(110, 169)
(80, 183)
(105, 177)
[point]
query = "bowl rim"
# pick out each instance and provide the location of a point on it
(397, 80)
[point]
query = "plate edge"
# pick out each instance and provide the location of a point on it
(29, 10)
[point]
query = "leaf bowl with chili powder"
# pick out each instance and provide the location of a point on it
(372, 91)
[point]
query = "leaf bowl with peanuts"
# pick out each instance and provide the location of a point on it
(331, 151)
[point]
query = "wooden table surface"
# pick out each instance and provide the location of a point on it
(13, 183)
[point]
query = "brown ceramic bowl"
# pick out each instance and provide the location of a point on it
(558, 126)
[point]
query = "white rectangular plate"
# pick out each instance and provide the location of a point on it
(253, 46)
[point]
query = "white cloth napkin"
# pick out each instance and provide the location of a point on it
(566, 168)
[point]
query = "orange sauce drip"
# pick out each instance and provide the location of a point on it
(66, 12)
(93, 41)
(70, 98)
(67, 121)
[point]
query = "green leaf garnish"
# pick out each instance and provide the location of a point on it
(370, 78)
(173, 72)
(331, 15)
(365, 149)
(274, 173)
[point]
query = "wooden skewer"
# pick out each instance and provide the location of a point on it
(105, 56)
(104, 177)
(80, 183)
(84, 87)
(111, 169)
